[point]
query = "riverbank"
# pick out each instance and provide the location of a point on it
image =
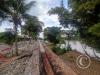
(70, 59)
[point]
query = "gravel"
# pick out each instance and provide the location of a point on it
(29, 57)
(16, 67)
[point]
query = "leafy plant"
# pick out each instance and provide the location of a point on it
(68, 48)
(58, 50)
(52, 34)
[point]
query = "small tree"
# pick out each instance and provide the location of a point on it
(52, 34)
(33, 27)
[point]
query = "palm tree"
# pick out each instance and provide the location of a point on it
(14, 10)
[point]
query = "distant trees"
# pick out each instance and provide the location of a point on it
(52, 34)
(32, 27)
(7, 37)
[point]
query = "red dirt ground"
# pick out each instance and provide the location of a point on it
(70, 59)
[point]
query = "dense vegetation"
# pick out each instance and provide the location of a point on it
(54, 36)
(83, 15)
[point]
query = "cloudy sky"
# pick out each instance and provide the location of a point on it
(42, 8)
(41, 11)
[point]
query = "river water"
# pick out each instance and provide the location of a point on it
(77, 45)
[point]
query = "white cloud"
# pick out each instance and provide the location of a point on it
(41, 7)
(41, 11)
(49, 20)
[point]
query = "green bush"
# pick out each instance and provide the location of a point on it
(68, 48)
(58, 50)
(7, 37)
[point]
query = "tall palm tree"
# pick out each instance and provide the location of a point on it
(14, 10)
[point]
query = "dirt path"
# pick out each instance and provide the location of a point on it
(33, 64)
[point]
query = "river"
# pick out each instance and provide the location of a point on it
(77, 45)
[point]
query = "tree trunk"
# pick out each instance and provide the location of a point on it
(17, 22)
(16, 45)
(68, 41)
(85, 51)
(16, 40)
(95, 54)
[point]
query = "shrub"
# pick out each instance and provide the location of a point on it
(69, 48)
(59, 50)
